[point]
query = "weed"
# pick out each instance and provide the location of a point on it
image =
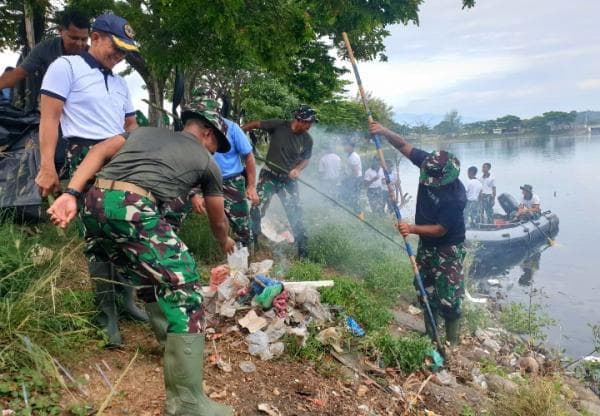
(304, 271)
(406, 353)
(491, 367)
(38, 319)
(475, 316)
(520, 319)
(197, 235)
(468, 411)
(312, 350)
(358, 302)
(538, 397)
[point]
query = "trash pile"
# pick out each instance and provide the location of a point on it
(268, 308)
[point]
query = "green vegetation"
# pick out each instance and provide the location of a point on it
(523, 320)
(39, 320)
(536, 397)
(196, 234)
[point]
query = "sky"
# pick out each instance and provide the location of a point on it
(521, 57)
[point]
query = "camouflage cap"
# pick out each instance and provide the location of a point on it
(439, 168)
(305, 113)
(208, 110)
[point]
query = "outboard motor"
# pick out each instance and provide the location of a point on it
(508, 204)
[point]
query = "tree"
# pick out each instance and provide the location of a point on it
(559, 119)
(509, 122)
(450, 125)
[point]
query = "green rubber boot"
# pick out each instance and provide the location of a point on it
(453, 331)
(158, 322)
(428, 327)
(108, 317)
(184, 371)
(127, 299)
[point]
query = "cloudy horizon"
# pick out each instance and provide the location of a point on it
(501, 57)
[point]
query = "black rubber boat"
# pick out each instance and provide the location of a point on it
(504, 242)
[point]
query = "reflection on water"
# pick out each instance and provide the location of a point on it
(529, 266)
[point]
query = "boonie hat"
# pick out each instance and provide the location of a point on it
(527, 188)
(122, 34)
(208, 110)
(439, 168)
(305, 113)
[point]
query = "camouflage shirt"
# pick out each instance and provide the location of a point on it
(165, 163)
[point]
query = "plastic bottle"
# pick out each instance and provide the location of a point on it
(239, 259)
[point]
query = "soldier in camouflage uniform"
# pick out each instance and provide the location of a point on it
(121, 212)
(239, 182)
(439, 222)
(290, 150)
(91, 104)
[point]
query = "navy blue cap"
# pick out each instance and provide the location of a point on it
(122, 33)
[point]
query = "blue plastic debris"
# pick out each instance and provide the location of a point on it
(354, 327)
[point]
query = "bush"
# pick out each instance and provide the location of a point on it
(520, 319)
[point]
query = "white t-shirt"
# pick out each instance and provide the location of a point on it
(535, 200)
(373, 175)
(354, 162)
(488, 183)
(473, 189)
(330, 166)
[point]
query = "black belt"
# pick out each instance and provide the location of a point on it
(230, 177)
(82, 141)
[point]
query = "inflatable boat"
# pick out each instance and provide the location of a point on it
(505, 240)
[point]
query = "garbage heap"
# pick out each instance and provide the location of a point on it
(268, 308)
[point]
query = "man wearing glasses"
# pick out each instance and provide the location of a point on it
(91, 103)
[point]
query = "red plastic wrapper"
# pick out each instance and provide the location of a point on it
(217, 276)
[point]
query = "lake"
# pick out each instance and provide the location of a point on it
(564, 173)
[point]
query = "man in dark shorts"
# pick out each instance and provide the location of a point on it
(290, 150)
(122, 212)
(440, 225)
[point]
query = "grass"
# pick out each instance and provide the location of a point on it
(39, 320)
(196, 234)
(537, 397)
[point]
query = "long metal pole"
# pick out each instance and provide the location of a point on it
(377, 141)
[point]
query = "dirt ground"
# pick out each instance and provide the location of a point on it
(294, 388)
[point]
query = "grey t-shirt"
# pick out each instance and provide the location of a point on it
(165, 163)
(286, 149)
(42, 55)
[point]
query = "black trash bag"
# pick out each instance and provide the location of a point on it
(20, 198)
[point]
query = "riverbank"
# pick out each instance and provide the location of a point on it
(383, 373)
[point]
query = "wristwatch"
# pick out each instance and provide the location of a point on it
(73, 192)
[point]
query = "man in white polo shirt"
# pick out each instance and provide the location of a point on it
(91, 103)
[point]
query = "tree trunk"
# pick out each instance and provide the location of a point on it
(155, 87)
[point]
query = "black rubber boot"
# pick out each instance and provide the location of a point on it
(453, 331)
(127, 303)
(158, 322)
(108, 317)
(184, 372)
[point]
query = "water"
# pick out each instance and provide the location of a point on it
(564, 174)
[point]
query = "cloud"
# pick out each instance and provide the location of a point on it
(589, 84)
(400, 82)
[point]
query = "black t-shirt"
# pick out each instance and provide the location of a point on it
(444, 206)
(286, 149)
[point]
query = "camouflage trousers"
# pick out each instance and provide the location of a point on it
(129, 231)
(77, 149)
(441, 269)
(487, 208)
(270, 184)
(472, 213)
(237, 208)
